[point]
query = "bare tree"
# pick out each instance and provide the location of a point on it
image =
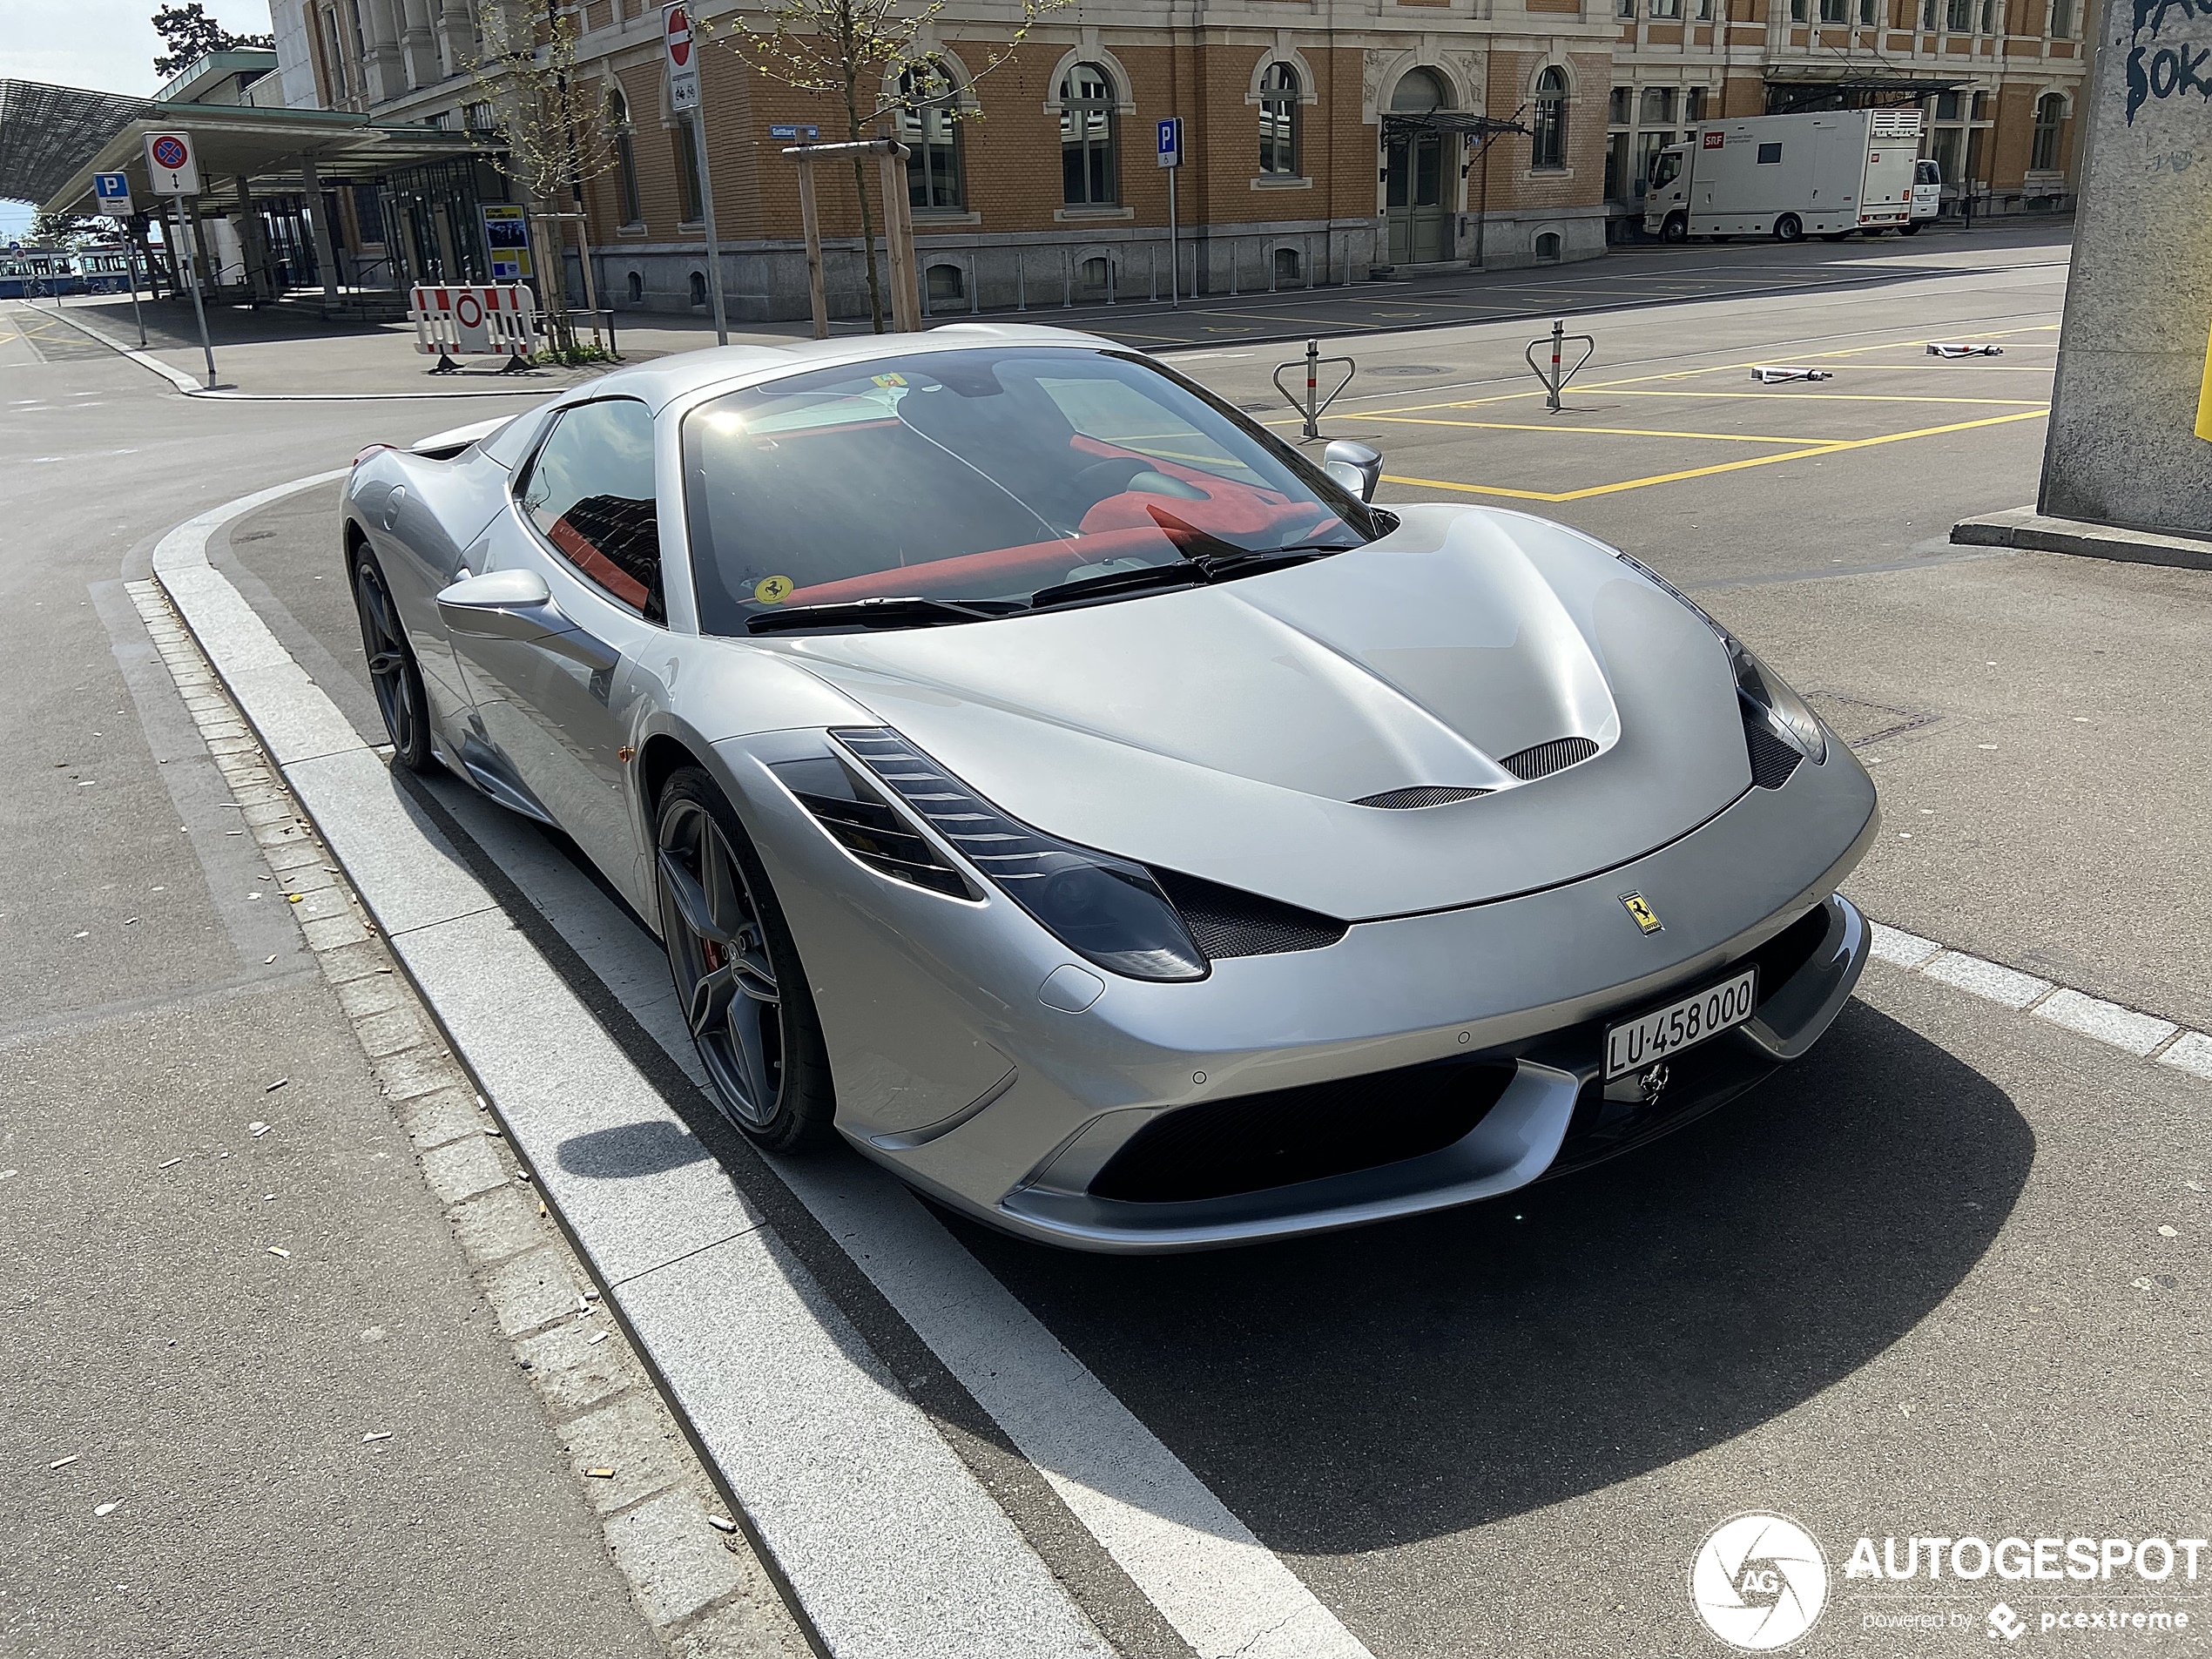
(551, 130)
(879, 59)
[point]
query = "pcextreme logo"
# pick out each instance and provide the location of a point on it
(1759, 1582)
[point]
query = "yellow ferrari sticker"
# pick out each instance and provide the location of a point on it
(889, 380)
(1645, 916)
(772, 590)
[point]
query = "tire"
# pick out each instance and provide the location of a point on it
(1833, 236)
(1789, 228)
(736, 971)
(1911, 228)
(1676, 229)
(394, 675)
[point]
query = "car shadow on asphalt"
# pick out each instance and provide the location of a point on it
(1363, 1390)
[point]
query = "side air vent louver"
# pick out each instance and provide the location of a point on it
(866, 826)
(1405, 800)
(1772, 760)
(1545, 759)
(1226, 923)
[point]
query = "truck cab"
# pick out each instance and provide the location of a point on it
(1666, 200)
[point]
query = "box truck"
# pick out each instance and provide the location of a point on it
(1787, 175)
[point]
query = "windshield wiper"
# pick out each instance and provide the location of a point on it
(1194, 573)
(909, 610)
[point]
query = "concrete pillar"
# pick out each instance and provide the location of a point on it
(457, 31)
(384, 71)
(252, 244)
(2123, 447)
(319, 226)
(418, 47)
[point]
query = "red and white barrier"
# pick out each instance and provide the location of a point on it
(492, 320)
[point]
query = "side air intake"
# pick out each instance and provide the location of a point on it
(867, 827)
(1418, 795)
(1772, 760)
(1226, 923)
(1545, 759)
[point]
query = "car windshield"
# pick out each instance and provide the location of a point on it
(986, 477)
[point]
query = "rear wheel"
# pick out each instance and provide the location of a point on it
(1833, 236)
(1789, 228)
(393, 672)
(736, 971)
(1676, 229)
(1911, 228)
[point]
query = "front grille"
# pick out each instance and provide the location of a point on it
(1226, 922)
(1403, 801)
(1782, 956)
(1251, 1142)
(1545, 759)
(1772, 760)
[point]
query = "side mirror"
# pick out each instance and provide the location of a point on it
(1353, 465)
(500, 605)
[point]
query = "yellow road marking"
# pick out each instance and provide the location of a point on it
(1848, 397)
(1816, 451)
(1607, 431)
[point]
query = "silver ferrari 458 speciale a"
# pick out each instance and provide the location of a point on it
(1080, 801)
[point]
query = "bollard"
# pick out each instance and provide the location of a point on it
(1021, 282)
(1314, 406)
(1943, 348)
(1555, 380)
(1782, 373)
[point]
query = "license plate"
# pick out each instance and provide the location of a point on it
(1665, 1031)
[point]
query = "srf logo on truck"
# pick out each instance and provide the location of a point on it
(1716, 141)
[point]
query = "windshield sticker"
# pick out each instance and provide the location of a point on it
(773, 590)
(889, 380)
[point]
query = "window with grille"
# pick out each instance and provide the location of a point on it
(926, 127)
(1548, 141)
(1278, 96)
(1087, 123)
(1960, 16)
(1658, 106)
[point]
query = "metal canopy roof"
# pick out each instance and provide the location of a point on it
(235, 140)
(1473, 126)
(47, 133)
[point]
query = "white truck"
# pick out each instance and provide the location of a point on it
(1787, 175)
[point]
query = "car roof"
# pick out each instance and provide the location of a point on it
(666, 380)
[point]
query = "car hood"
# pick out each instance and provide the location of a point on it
(1232, 731)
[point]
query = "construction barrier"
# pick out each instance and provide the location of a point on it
(492, 320)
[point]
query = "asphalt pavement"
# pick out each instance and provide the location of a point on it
(1946, 1276)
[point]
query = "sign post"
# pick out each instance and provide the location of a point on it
(682, 57)
(1171, 158)
(175, 171)
(112, 191)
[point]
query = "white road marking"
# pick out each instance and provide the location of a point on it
(2192, 1052)
(775, 1383)
(2139, 1033)
(1999, 984)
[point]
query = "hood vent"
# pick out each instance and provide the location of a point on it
(1545, 759)
(1772, 760)
(1226, 922)
(1405, 800)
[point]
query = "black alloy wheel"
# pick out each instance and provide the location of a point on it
(393, 672)
(738, 978)
(1676, 229)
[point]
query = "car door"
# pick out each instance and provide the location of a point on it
(561, 711)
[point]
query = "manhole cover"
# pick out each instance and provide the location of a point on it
(1859, 723)
(1407, 369)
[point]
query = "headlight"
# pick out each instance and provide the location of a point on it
(1107, 910)
(1766, 697)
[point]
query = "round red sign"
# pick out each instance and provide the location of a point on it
(170, 152)
(679, 36)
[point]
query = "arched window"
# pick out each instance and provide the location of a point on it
(636, 284)
(1088, 176)
(945, 282)
(1547, 145)
(2043, 151)
(927, 103)
(1420, 92)
(1278, 93)
(690, 200)
(625, 156)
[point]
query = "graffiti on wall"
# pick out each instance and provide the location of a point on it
(2168, 70)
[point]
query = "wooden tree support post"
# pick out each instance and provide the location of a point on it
(898, 227)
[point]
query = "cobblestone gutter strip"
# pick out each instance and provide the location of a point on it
(694, 1574)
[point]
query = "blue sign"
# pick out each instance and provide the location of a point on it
(1172, 142)
(111, 191)
(802, 133)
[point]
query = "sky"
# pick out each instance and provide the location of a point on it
(106, 45)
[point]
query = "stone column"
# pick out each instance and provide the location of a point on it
(418, 49)
(252, 246)
(383, 71)
(2123, 447)
(319, 226)
(457, 28)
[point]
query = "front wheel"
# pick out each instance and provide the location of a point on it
(1676, 229)
(393, 672)
(736, 971)
(1789, 228)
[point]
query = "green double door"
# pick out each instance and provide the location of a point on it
(1420, 225)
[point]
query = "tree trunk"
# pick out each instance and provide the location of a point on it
(860, 188)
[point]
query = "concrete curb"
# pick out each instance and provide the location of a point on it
(2030, 531)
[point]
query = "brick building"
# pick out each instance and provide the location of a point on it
(1326, 141)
